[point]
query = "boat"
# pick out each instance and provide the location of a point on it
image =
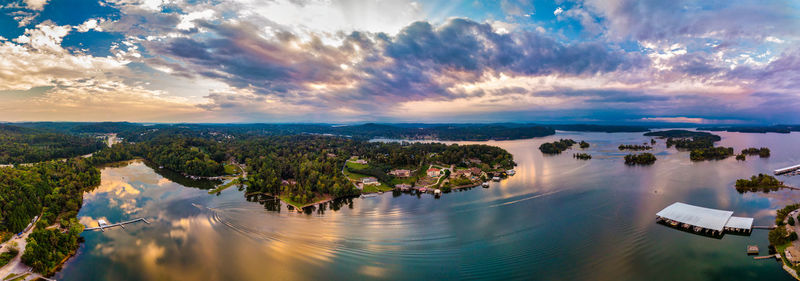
(485, 184)
(511, 172)
(496, 178)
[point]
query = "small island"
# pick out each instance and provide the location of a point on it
(701, 144)
(640, 159)
(761, 152)
(711, 153)
(634, 147)
(760, 182)
(584, 144)
(582, 156)
(556, 147)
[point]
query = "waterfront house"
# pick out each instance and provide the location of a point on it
(400, 173)
(460, 173)
(370, 181)
(403, 187)
(433, 172)
(475, 171)
(792, 254)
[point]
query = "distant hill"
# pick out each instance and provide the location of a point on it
(446, 132)
(81, 127)
(26, 145)
(679, 134)
(600, 128)
(783, 129)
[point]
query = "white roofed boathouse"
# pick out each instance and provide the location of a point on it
(703, 220)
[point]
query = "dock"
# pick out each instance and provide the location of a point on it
(787, 170)
(704, 220)
(770, 227)
(103, 225)
(766, 257)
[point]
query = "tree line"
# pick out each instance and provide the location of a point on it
(25, 145)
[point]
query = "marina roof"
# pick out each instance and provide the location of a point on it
(787, 169)
(697, 216)
(740, 222)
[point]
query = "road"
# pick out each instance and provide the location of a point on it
(15, 265)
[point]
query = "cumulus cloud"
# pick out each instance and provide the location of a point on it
(36, 4)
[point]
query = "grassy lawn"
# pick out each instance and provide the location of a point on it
(285, 198)
(13, 277)
(376, 188)
(779, 249)
(223, 187)
(353, 165)
(231, 169)
(408, 180)
(354, 176)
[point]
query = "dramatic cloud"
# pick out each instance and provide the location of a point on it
(287, 60)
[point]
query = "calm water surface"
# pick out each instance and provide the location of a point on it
(557, 219)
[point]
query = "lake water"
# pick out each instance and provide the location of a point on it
(558, 218)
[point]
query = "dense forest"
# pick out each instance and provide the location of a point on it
(47, 248)
(314, 163)
(54, 191)
(556, 146)
(640, 159)
(25, 145)
(454, 132)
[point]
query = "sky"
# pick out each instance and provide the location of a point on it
(590, 61)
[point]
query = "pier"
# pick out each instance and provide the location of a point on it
(767, 257)
(103, 224)
(787, 170)
(770, 227)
